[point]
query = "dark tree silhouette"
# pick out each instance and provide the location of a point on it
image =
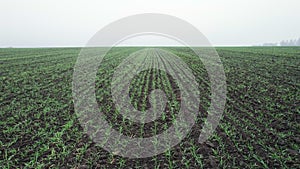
(292, 42)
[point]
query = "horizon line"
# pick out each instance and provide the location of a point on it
(131, 46)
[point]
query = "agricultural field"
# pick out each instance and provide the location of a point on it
(260, 126)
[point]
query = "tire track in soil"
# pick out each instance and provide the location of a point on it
(204, 149)
(133, 127)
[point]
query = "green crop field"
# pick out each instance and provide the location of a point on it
(260, 126)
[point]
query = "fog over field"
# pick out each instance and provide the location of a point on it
(34, 23)
(292, 42)
(149, 84)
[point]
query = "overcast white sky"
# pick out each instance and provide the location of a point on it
(37, 23)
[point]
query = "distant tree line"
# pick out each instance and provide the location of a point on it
(292, 42)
